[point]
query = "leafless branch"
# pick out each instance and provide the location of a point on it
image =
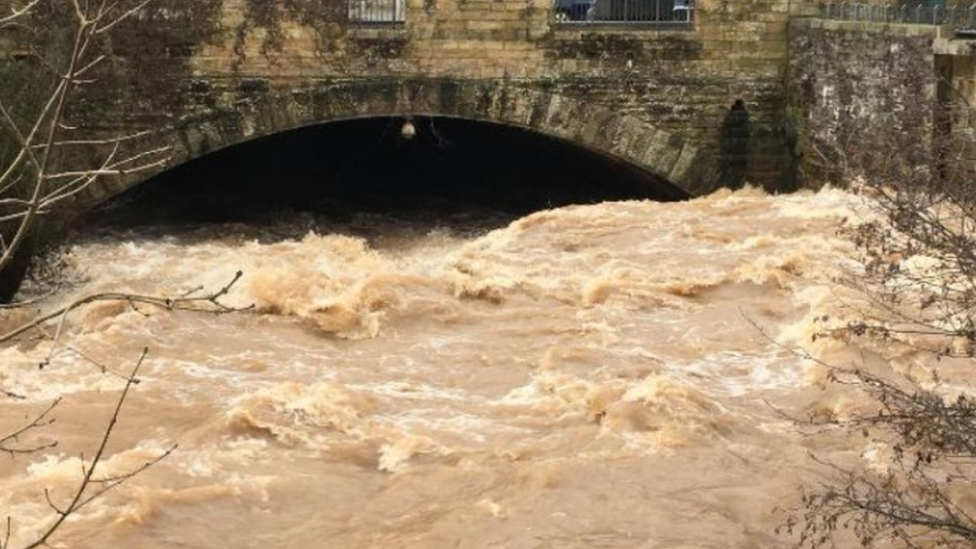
(919, 291)
(10, 443)
(45, 133)
(92, 487)
(18, 13)
(209, 303)
(33, 182)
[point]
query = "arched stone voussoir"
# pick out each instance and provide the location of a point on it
(241, 115)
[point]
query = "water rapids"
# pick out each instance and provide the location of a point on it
(590, 376)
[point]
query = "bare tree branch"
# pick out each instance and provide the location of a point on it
(919, 292)
(82, 495)
(91, 21)
(36, 180)
(9, 444)
(209, 303)
(17, 14)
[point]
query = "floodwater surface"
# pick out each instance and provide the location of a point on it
(610, 375)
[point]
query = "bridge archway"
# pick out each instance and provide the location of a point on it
(252, 110)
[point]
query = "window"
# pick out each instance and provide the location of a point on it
(662, 12)
(377, 11)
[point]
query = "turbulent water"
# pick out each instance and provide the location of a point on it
(591, 376)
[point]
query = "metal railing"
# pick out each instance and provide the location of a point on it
(664, 13)
(961, 17)
(376, 12)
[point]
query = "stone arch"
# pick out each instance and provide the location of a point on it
(254, 109)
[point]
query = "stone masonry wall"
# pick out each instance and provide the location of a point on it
(956, 66)
(184, 60)
(863, 96)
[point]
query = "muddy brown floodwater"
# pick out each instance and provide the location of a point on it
(588, 376)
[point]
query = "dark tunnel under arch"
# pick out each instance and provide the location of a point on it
(451, 165)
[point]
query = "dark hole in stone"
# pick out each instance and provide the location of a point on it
(735, 145)
(450, 170)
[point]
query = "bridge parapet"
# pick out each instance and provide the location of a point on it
(955, 16)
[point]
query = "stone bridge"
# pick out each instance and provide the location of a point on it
(659, 94)
(727, 91)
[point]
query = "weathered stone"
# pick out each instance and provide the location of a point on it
(206, 75)
(859, 92)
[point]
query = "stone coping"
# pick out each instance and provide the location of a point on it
(378, 31)
(901, 29)
(954, 46)
(570, 31)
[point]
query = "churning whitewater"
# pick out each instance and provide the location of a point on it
(608, 375)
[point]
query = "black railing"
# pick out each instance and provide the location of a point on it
(663, 13)
(961, 17)
(376, 12)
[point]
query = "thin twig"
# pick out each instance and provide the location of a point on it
(207, 303)
(81, 497)
(38, 422)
